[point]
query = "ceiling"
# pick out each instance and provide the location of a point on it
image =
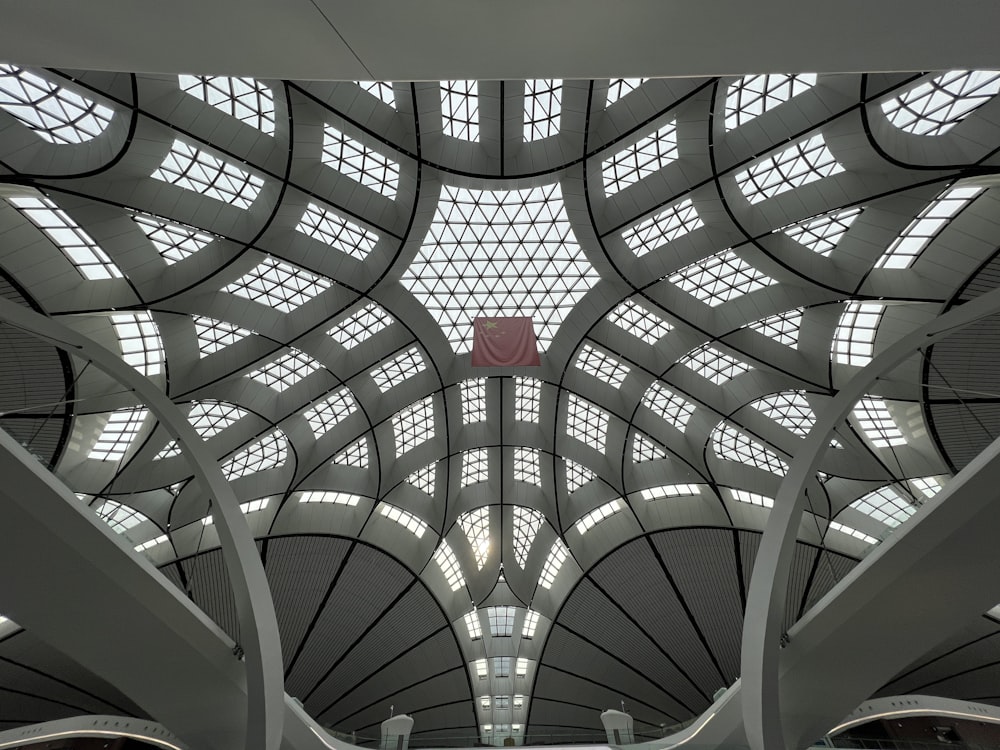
(298, 265)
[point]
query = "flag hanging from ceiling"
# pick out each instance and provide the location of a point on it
(504, 342)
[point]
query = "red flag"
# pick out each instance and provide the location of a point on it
(504, 342)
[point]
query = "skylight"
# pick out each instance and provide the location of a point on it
(527, 397)
(252, 506)
(789, 409)
(668, 405)
(473, 400)
(527, 522)
(285, 371)
(798, 165)
(542, 106)
(268, 452)
(56, 114)
(402, 367)
(501, 665)
(202, 173)
(731, 444)
(837, 526)
(214, 335)
(278, 284)
(473, 625)
(821, 234)
(714, 365)
(339, 233)
(460, 109)
(602, 366)
(662, 228)
(639, 322)
(360, 326)
(619, 87)
(783, 328)
(521, 670)
(475, 466)
(423, 479)
(877, 424)
(553, 563)
(448, 562)
(927, 486)
(476, 525)
(753, 95)
(330, 412)
(885, 505)
(597, 515)
(529, 626)
(140, 341)
(752, 498)
(586, 422)
(85, 254)
(499, 253)
(527, 466)
(330, 498)
(501, 621)
(577, 475)
(381, 90)
(209, 418)
(929, 223)
(174, 242)
(482, 671)
(854, 337)
(405, 519)
(413, 425)
(119, 517)
(155, 542)
(720, 278)
(936, 106)
(119, 432)
(355, 455)
(645, 449)
(648, 156)
(355, 160)
(246, 99)
(667, 491)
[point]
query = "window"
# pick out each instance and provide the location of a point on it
(529, 627)
(202, 173)
(669, 491)
(553, 563)
(78, 247)
(253, 506)
(597, 515)
(501, 702)
(542, 105)
(602, 366)
(527, 522)
(330, 412)
(521, 670)
(877, 424)
(56, 114)
(355, 160)
(720, 278)
(936, 106)
(214, 335)
(247, 100)
(423, 479)
(752, 96)
(836, 526)
(395, 371)
(577, 476)
(668, 405)
(140, 341)
(752, 498)
(475, 466)
(783, 328)
(267, 453)
(381, 90)
(278, 284)
(119, 517)
(789, 409)
(798, 165)
(645, 449)
(482, 672)
(337, 232)
(475, 632)
(476, 525)
(821, 234)
(413, 425)
(285, 371)
(155, 542)
(330, 498)
(501, 621)
(527, 397)
(407, 520)
(639, 322)
(929, 223)
(713, 365)
(119, 432)
(662, 228)
(460, 109)
(360, 326)
(355, 455)
(927, 486)
(854, 337)
(731, 444)
(209, 418)
(648, 156)
(527, 466)
(885, 505)
(473, 400)
(619, 87)
(501, 666)
(174, 242)
(586, 422)
(499, 252)
(446, 560)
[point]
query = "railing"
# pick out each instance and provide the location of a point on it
(861, 743)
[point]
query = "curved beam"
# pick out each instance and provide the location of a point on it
(766, 597)
(257, 619)
(103, 727)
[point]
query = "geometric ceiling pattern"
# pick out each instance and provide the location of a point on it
(499, 552)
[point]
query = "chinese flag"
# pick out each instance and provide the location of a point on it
(504, 342)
